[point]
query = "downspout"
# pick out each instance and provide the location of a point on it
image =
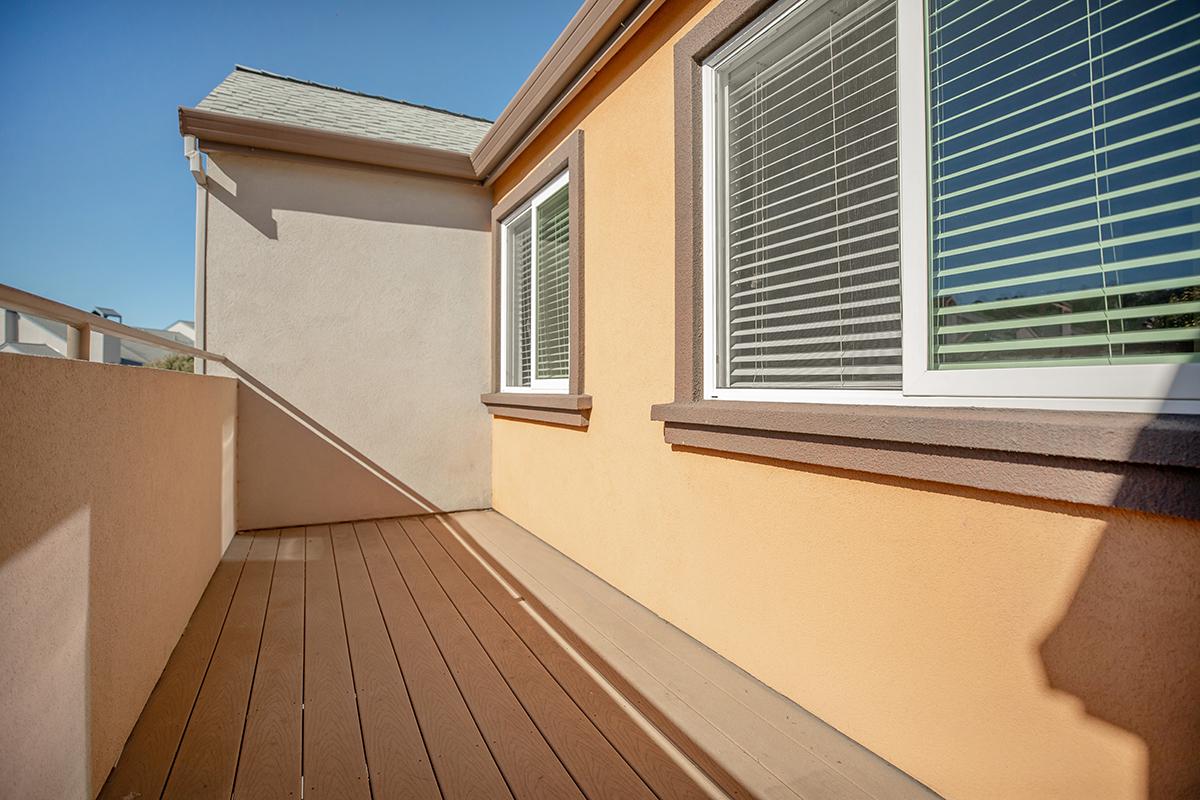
(191, 152)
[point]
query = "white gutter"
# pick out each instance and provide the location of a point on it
(191, 151)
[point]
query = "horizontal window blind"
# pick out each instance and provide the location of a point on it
(520, 286)
(807, 222)
(553, 286)
(1065, 182)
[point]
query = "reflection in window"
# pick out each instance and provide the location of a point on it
(1065, 182)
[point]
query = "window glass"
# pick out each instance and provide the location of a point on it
(806, 197)
(554, 283)
(1065, 182)
(537, 287)
(519, 234)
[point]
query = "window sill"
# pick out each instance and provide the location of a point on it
(570, 410)
(1142, 462)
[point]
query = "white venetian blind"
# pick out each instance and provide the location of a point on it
(807, 221)
(519, 246)
(553, 286)
(1065, 144)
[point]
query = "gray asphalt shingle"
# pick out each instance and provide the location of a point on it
(265, 96)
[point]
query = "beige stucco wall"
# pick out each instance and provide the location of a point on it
(116, 503)
(992, 646)
(358, 299)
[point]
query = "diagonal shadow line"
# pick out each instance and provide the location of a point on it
(330, 437)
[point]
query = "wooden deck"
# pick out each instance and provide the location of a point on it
(384, 659)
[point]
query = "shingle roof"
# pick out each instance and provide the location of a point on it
(256, 94)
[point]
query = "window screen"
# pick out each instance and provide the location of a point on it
(554, 283)
(806, 192)
(1065, 182)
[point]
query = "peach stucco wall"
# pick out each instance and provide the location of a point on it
(992, 646)
(116, 502)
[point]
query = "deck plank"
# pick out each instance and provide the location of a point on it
(269, 766)
(597, 767)
(660, 771)
(334, 761)
(530, 766)
(772, 729)
(705, 694)
(208, 755)
(396, 756)
(461, 760)
(141, 770)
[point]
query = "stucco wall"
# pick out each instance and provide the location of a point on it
(358, 298)
(991, 646)
(116, 503)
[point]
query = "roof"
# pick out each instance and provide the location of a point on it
(260, 95)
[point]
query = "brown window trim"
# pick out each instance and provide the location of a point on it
(573, 408)
(1142, 462)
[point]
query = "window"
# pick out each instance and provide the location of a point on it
(537, 230)
(974, 203)
(535, 270)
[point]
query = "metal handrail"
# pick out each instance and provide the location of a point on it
(83, 323)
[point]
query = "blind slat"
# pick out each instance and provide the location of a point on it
(1073, 238)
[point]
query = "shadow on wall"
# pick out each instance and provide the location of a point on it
(291, 470)
(1128, 645)
(247, 185)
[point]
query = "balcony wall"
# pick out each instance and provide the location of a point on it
(116, 501)
(358, 299)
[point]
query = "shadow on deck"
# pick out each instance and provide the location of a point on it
(401, 658)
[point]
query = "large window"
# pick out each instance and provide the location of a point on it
(970, 202)
(535, 276)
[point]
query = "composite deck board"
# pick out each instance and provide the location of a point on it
(597, 767)
(529, 765)
(772, 746)
(207, 759)
(269, 766)
(381, 659)
(771, 730)
(142, 768)
(461, 760)
(334, 760)
(662, 773)
(396, 757)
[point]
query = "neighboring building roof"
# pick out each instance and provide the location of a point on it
(259, 95)
(30, 349)
(131, 351)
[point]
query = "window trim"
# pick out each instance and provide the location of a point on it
(1142, 461)
(1142, 388)
(561, 402)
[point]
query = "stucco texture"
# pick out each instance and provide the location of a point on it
(115, 506)
(992, 646)
(355, 302)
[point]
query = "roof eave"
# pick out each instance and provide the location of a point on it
(217, 127)
(596, 32)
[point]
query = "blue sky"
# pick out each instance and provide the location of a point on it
(96, 204)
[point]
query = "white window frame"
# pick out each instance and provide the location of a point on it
(1152, 388)
(545, 385)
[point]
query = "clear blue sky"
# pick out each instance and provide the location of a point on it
(96, 203)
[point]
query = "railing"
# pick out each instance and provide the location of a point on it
(80, 325)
